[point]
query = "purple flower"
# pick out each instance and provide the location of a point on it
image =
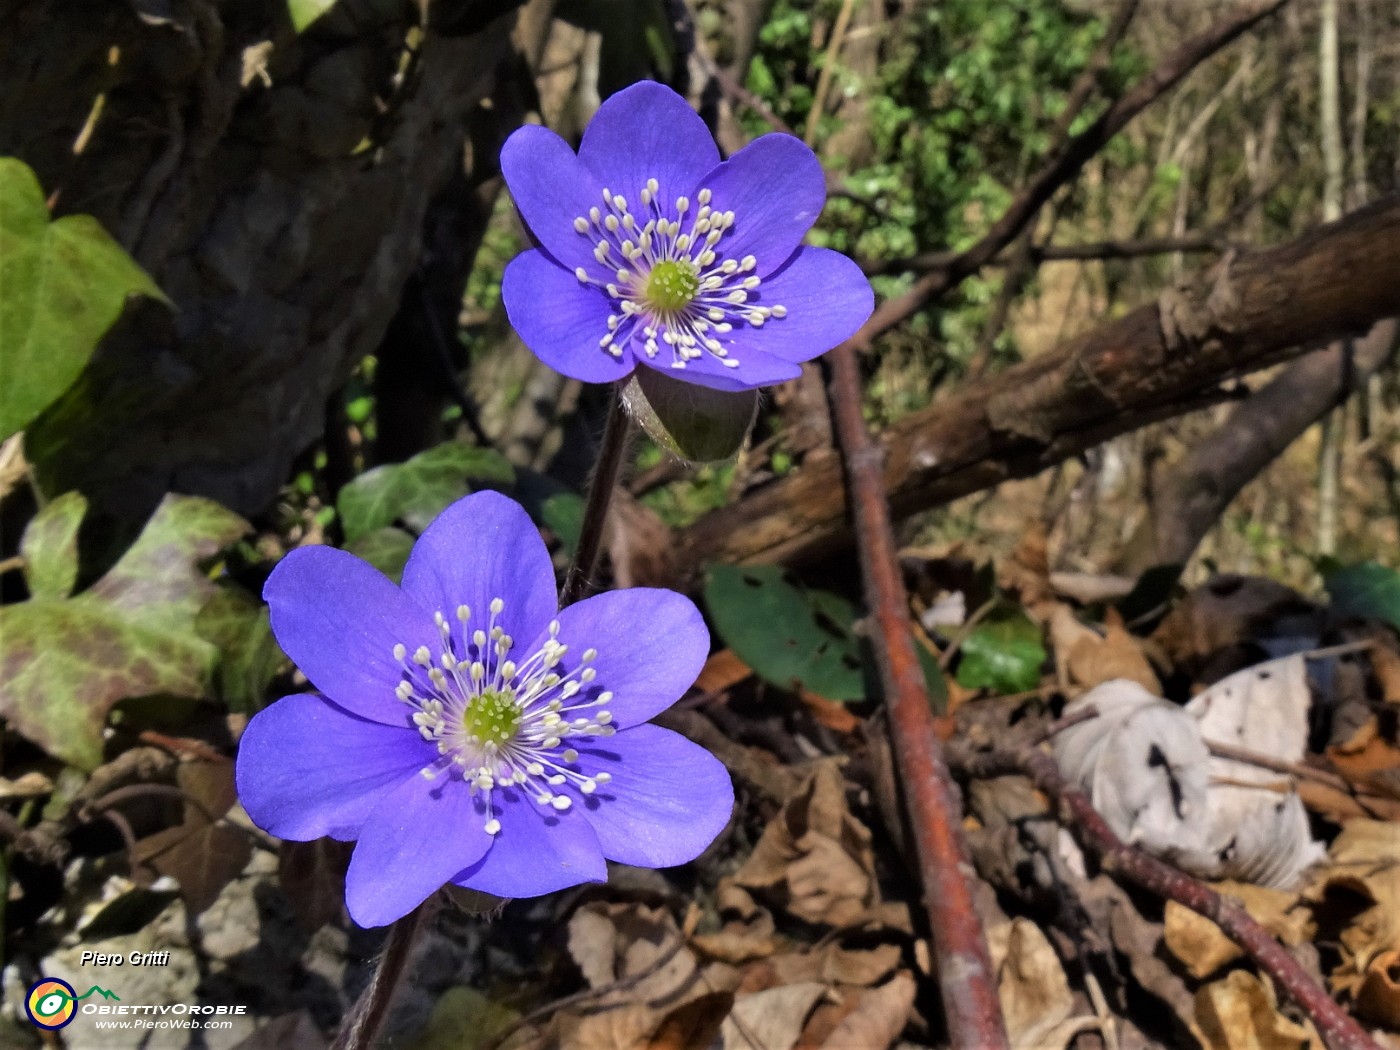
(468, 730)
(652, 251)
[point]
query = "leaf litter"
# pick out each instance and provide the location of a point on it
(1211, 741)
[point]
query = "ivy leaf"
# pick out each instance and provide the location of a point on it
(65, 283)
(50, 547)
(132, 634)
(304, 12)
(1004, 654)
(157, 580)
(415, 492)
(238, 626)
(65, 663)
(1368, 591)
(789, 635)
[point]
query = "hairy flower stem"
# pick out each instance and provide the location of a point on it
(595, 513)
(360, 1030)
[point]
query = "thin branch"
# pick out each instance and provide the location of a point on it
(1074, 810)
(1061, 168)
(1095, 251)
(966, 979)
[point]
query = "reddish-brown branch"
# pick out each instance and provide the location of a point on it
(1074, 810)
(966, 980)
(1062, 167)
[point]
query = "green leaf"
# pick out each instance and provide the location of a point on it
(415, 492)
(50, 547)
(65, 663)
(238, 626)
(65, 284)
(562, 514)
(157, 580)
(1368, 591)
(387, 549)
(693, 422)
(1004, 654)
(789, 635)
(464, 1019)
(304, 12)
(132, 634)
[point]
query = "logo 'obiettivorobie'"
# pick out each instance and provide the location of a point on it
(52, 1003)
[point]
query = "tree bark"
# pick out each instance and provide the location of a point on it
(1192, 499)
(281, 215)
(1161, 360)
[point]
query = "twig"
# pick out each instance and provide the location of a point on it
(833, 52)
(966, 980)
(1063, 167)
(736, 91)
(1074, 810)
(595, 513)
(964, 632)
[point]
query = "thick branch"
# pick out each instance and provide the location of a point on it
(965, 976)
(1158, 361)
(1257, 432)
(1074, 810)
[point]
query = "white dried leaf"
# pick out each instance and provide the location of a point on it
(1258, 833)
(1143, 764)
(1147, 768)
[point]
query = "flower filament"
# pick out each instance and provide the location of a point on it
(670, 284)
(500, 724)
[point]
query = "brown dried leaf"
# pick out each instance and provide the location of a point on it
(1089, 660)
(814, 859)
(1031, 983)
(829, 963)
(1379, 997)
(202, 854)
(1366, 863)
(771, 1019)
(878, 1018)
(695, 1024)
(722, 671)
(747, 934)
(614, 941)
(1241, 1013)
(1201, 945)
(1386, 663)
(1226, 611)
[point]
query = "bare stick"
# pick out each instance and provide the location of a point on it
(966, 980)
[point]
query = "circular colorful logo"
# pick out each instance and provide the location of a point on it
(51, 1003)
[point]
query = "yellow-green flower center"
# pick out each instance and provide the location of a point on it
(492, 717)
(672, 285)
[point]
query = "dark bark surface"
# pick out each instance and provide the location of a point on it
(282, 216)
